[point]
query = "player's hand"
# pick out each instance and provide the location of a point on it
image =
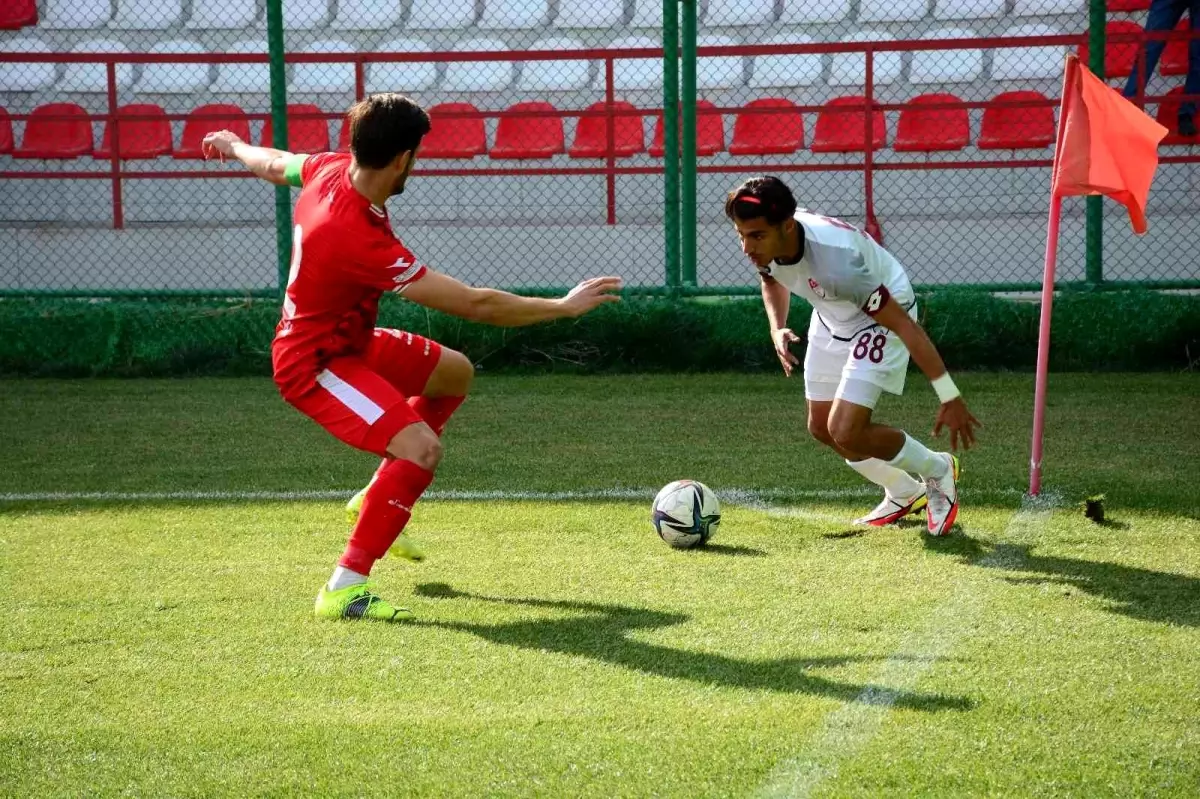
(955, 417)
(219, 143)
(783, 338)
(590, 294)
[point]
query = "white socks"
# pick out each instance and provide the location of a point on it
(344, 578)
(916, 457)
(898, 483)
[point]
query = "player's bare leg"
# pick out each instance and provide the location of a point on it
(851, 427)
(444, 392)
(818, 428)
(902, 494)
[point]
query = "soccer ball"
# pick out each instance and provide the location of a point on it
(686, 514)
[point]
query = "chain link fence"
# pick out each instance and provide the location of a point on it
(955, 178)
(516, 185)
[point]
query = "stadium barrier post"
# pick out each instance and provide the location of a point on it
(279, 138)
(610, 134)
(671, 139)
(870, 223)
(114, 142)
(1094, 206)
(687, 234)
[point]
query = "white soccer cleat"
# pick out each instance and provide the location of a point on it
(943, 498)
(892, 510)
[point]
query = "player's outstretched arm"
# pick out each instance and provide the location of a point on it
(953, 413)
(265, 162)
(494, 307)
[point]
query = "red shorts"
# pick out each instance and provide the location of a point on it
(362, 399)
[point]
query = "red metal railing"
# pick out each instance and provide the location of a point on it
(610, 170)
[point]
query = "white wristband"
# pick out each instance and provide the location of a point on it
(945, 388)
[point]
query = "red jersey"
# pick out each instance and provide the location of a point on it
(344, 256)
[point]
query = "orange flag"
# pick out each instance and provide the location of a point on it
(1107, 144)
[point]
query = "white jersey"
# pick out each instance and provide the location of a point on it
(844, 274)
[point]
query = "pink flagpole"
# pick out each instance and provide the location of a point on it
(1052, 225)
(1043, 359)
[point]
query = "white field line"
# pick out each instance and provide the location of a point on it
(847, 730)
(760, 502)
(746, 497)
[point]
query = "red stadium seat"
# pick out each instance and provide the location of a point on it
(306, 133)
(591, 136)
(1005, 128)
(710, 131)
(56, 130)
(206, 118)
(6, 137)
(454, 136)
(1128, 5)
(841, 127)
(1175, 54)
(1168, 117)
(146, 137)
(926, 130)
(344, 137)
(767, 133)
(1119, 57)
(16, 14)
(538, 136)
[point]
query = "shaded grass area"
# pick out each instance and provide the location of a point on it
(1128, 436)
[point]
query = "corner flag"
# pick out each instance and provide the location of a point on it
(1105, 145)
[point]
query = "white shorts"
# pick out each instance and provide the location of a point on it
(856, 369)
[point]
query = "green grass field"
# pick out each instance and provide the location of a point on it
(165, 646)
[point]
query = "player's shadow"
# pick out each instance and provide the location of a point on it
(1129, 590)
(601, 632)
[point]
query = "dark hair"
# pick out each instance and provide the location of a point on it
(382, 126)
(763, 197)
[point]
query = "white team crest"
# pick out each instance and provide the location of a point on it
(816, 288)
(409, 268)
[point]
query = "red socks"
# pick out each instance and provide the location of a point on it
(436, 411)
(394, 490)
(386, 508)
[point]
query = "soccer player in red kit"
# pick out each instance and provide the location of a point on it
(388, 392)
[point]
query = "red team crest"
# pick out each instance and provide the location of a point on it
(816, 288)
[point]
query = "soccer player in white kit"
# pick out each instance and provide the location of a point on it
(862, 331)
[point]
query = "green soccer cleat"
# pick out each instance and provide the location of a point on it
(356, 602)
(404, 547)
(354, 506)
